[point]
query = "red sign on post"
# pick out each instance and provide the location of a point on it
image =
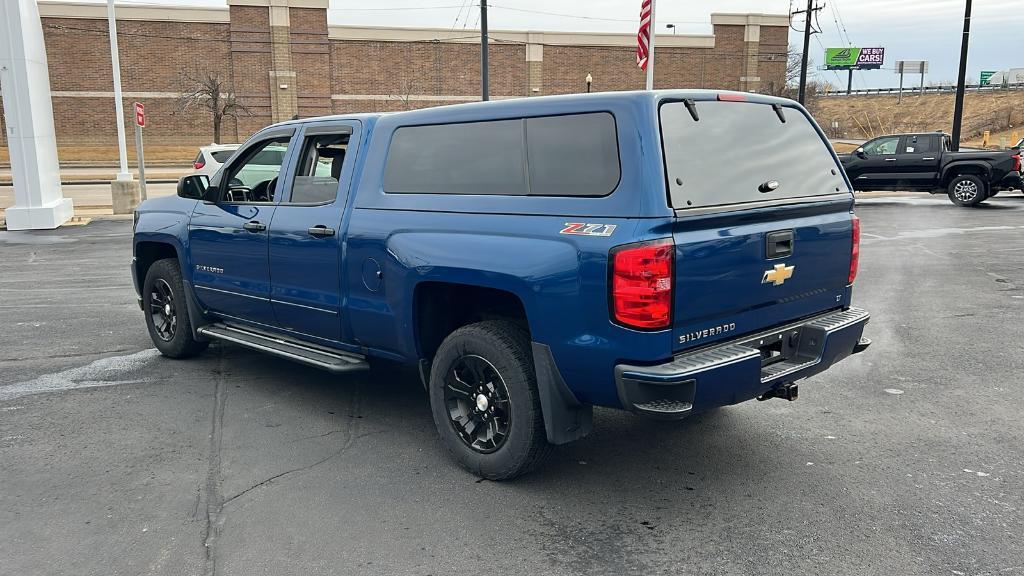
(140, 115)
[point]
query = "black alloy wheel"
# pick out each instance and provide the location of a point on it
(478, 403)
(163, 312)
(165, 305)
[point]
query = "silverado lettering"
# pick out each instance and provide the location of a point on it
(691, 336)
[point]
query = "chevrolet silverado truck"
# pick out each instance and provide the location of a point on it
(533, 258)
(925, 162)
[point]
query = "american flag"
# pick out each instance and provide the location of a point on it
(643, 36)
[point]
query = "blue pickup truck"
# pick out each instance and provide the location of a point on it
(660, 252)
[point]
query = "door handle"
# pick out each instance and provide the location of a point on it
(779, 244)
(890, 159)
(254, 226)
(927, 159)
(320, 231)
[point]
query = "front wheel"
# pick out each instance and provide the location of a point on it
(966, 190)
(163, 300)
(483, 396)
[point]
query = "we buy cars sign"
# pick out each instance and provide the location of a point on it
(855, 58)
(140, 115)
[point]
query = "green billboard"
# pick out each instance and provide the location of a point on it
(854, 58)
(986, 76)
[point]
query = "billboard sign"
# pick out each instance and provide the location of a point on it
(911, 66)
(854, 58)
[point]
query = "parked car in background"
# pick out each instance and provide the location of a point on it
(925, 162)
(212, 157)
(533, 258)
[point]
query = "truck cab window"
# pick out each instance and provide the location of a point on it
(882, 146)
(253, 177)
(919, 145)
(319, 171)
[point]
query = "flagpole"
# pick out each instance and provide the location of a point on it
(650, 51)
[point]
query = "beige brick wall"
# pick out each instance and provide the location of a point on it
(391, 75)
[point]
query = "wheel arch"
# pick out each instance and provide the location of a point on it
(963, 168)
(440, 308)
(149, 251)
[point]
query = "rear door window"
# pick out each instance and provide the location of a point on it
(919, 144)
(737, 152)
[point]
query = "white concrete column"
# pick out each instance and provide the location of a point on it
(28, 113)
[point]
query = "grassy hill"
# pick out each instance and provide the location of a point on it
(863, 117)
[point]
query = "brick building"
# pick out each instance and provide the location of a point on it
(283, 59)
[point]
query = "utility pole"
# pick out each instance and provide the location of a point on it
(484, 79)
(811, 9)
(958, 109)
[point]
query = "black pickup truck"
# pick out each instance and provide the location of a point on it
(925, 162)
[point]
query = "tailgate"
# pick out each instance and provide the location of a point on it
(727, 284)
(763, 228)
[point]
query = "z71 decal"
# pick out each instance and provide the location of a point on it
(584, 229)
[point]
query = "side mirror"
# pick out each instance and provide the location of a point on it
(193, 186)
(860, 152)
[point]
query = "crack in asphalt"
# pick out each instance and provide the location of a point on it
(215, 501)
(350, 439)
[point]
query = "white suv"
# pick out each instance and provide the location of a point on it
(211, 158)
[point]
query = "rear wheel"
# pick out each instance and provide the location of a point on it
(966, 190)
(483, 396)
(163, 301)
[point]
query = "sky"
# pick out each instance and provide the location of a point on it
(907, 29)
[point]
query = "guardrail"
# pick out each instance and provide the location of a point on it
(927, 90)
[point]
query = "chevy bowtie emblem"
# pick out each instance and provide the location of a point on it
(778, 275)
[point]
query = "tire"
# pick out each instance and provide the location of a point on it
(966, 190)
(166, 311)
(496, 353)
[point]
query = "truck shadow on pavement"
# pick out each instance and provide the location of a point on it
(394, 418)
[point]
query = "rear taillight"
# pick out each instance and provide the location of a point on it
(1016, 161)
(198, 164)
(641, 284)
(855, 251)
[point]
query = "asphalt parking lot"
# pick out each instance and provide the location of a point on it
(907, 459)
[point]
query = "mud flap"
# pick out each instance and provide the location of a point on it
(565, 418)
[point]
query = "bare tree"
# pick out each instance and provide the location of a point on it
(406, 88)
(791, 84)
(208, 91)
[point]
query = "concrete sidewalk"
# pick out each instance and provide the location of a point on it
(90, 199)
(104, 174)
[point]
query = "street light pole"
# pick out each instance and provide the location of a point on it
(958, 108)
(115, 63)
(484, 79)
(671, 27)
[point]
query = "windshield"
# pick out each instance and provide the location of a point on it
(737, 152)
